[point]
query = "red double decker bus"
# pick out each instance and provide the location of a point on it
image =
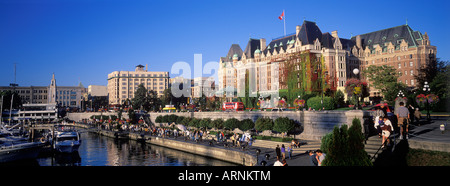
(235, 106)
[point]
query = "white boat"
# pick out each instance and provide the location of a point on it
(14, 148)
(67, 141)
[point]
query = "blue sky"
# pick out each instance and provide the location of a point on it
(85, 40)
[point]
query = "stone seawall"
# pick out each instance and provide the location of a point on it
(234, 156)
(314, 124)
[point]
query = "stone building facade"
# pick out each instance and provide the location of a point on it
(321, 61)
(123, 84)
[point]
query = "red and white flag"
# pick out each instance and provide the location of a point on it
(281, 16)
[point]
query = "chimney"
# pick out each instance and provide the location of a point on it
(297, 29)
(334, 34)
(358, 41)
(262, 44)
(146, 67)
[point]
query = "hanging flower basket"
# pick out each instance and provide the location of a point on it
(355, 86)
(282, 104)
(421, 99)
(299, 102)
(432, 98)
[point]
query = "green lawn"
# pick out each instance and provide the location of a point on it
(418, 157)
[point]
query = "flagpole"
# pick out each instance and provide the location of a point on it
(284, 23)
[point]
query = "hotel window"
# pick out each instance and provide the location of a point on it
(406, 81)
(411, 72)
(406, 72)
(411, 64)
(399, 65)
(412, 81)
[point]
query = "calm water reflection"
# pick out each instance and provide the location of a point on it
(96, 150)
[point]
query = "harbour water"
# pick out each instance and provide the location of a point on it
(97, 150)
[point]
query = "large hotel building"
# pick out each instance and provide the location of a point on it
(123, 84)
(311, 60)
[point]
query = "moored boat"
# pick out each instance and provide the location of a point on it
(14, 148)
(67, 141)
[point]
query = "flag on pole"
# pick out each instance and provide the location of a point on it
(281, 16)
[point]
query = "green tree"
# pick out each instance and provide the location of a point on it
(7, 95)
(384, 78)
(264, 123)
(246, 124)
(345, 146)
(356, 149)
(429, 71)
(140, 100)
(217, 123)
(339, 99)
(204, 123)
(132, 116)
(153, 101)
(194, 122)
(283, 124)
(231, 123)
(316, 103)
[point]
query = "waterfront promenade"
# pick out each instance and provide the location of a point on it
(218, 150)
(426, 137)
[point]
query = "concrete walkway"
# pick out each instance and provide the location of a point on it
(430, 137)
(299, 156)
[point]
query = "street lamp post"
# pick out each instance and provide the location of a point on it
(426, 88)
(356, 72)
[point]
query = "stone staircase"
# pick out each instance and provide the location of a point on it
(373, 143)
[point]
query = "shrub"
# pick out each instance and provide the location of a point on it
(172, 118)
(246, 124)
(194, 122)
(159, 119)
(165, 119)
(356, 145)
(264, 123)
(180, 119)
(186, 121)
(344, 146)
(315, 103)
(231, 123)
(217, 123)
(205, 122)
(283, 124)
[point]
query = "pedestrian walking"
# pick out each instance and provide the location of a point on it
(417, 116)
(290, 151)
(387, 129)
(283, 151)
(402, 118)
(378, 124)
(278, 151)
(379, 113)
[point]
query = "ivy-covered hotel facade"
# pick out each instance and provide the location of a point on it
(311, 61)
